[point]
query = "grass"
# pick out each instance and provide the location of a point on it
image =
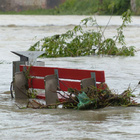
(29, 12)
(80, 7)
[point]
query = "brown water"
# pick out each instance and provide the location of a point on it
(18, 33)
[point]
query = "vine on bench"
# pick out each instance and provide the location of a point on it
(31, 92)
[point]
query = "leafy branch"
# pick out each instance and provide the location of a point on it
(81, 42)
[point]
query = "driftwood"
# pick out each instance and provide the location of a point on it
(36, 105)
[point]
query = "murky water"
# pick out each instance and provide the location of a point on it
(18, 33)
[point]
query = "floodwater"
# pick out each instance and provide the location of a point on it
(18, 33)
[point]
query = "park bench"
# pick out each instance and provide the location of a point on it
(67, 78)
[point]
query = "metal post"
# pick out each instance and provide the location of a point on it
(20, 83)
(51, 84)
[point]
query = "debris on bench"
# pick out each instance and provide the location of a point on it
(82, 101)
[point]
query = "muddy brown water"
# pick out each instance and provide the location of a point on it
(18, 33)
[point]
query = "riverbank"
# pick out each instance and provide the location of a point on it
(75, 7)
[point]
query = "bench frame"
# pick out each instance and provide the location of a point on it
(68, 78)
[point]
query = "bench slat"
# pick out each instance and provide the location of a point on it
(64, 85)
(64, 73)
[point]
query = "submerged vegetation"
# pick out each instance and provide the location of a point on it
(81, 42)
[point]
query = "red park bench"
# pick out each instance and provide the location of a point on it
(68, 78)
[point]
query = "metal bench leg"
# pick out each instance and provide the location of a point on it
(19, 86)
(51, 84)
(89, 85)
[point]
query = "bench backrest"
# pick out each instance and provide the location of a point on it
(68, 78)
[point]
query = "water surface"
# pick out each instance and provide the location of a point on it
(18, 33)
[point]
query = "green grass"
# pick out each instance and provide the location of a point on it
(81, 7)
(70, 7)
(30, 12)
